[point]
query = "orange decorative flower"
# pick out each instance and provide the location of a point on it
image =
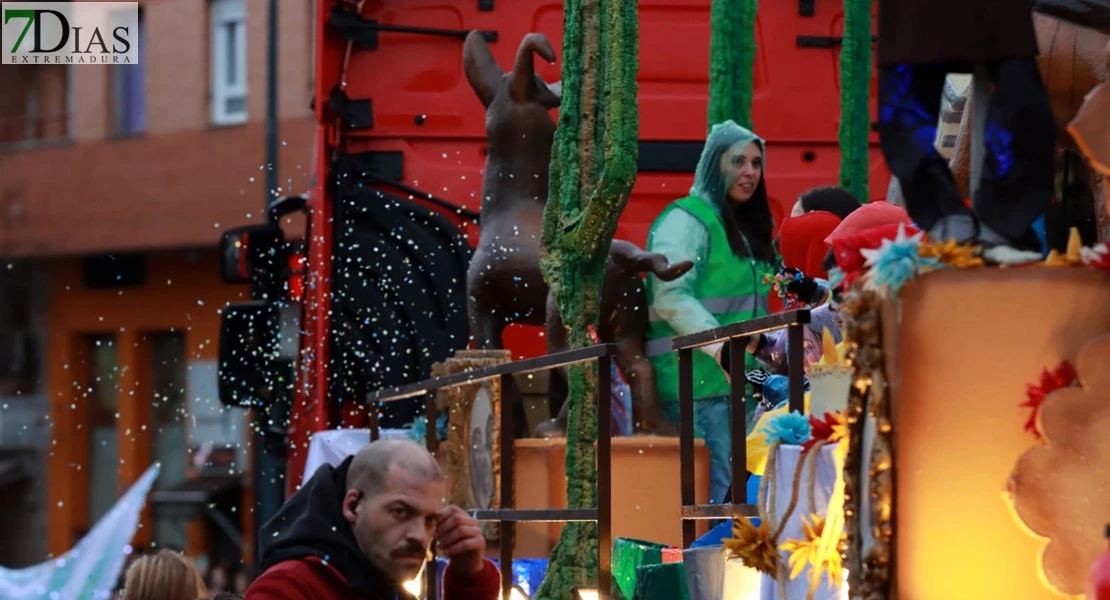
(951, 253)
(753, 546)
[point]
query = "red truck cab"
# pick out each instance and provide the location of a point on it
(400, 151)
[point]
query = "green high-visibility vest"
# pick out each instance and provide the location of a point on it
(730, 287)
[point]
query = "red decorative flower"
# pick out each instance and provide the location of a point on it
(1063, 376)
(832, 428)
(847, 249)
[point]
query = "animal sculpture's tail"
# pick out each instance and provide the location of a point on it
(630, 258)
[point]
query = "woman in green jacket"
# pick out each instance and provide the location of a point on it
(725, 227)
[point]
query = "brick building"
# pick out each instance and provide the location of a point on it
(115, 183)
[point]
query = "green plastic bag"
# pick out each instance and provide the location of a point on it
(662, 582)
(628, 555)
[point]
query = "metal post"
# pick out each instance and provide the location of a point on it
(795, 339)
(686, 437)
(374, 414)
(738, 390)
(604, 476)
(269, 488)
(506, 532)
(271, 111)
(431, 437)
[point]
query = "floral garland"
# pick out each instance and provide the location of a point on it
(1064, 375)
(888, 264)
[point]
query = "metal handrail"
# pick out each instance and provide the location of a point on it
(506, 516)
(735, 335)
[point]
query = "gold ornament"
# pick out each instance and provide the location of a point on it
(951, 254)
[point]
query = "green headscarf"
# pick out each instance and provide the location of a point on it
(711, 182)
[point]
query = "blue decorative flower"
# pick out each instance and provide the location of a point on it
(789, 428)
(895, 262)
(418, 428)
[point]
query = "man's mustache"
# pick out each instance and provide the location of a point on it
(411, 549)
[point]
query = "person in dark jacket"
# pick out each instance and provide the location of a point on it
(361, 530)
(920, 43)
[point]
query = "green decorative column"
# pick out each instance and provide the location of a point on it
(731, 61)
(593, 167)
(855, 98)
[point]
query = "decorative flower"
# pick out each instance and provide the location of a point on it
(895, 262)
(952, 254)
(833, 429)
(810, 552)
(753, 546)
(848, 249)
(1058, 489)
(1097, 256)
(1072, 256)
(1061, 377)
(790, 428)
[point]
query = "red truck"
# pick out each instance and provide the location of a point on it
(376, 285)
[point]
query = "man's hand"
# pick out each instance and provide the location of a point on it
(461, 540)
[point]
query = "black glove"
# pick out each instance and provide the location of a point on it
(805, 289)
(726, 353)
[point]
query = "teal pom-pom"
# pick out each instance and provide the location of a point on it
(790, 428)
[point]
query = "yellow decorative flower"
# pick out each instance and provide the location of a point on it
(753, 546)
(951, 254)
(1072, 256)
(810, 552)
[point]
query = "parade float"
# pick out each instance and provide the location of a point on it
(948, 446)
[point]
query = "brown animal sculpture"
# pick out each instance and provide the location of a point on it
(504, 283)
(1072, 62)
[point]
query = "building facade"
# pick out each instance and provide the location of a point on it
(115, 184)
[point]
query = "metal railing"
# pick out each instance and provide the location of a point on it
(507, 516)
(735, 336)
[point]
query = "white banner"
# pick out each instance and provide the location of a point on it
(91, 569)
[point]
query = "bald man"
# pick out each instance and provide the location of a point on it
(364, 528)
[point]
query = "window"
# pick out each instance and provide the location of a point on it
(168, 418)
(129, 94)
(102, 395)
(33, 104)
(228, 61)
